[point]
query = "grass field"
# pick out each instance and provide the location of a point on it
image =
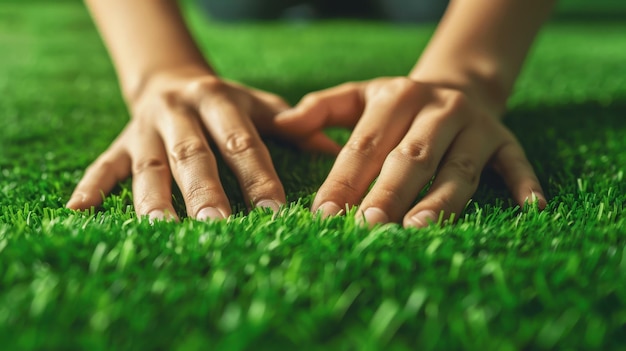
(502, 278)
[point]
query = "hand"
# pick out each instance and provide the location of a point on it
(405, 133)
(167, 136)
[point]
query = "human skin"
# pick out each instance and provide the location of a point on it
(175, 100)
(442, 120)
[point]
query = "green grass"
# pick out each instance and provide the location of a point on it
(502, 278)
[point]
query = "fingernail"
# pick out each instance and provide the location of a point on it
(271, 204)
(328, 209)
(422, 219)
(156, 215)
(375, 215)
(159, 215)
(209, 213)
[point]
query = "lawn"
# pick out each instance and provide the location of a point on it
(501, 278)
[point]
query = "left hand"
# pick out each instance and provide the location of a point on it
(173, 121)
(405, 133)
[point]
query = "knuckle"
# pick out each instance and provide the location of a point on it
(158, 105)
(465, 168)
(201, 194)
(170, 98)
(149, 202)
(206, 85)
(150, 104)
(238, 143)
(198, 190)
(149, 164)
(398, 87)
(311, 99)
(414, 152)
(342, 185)
(363, 145)
(261, 186)
(188, 149)
(105, 163)
(455, 101)
(386, 195)
(402, 84)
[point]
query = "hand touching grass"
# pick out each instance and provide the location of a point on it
(405, 133)
(442, 123)
(168, 136)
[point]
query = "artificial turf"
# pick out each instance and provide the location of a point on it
(501, 278)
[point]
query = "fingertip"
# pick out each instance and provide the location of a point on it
(162, 215)
(270, 204)
(421, 219)
(535, 197)
(372, 216)
(209, 213)
(74, 202)
(81, 201)
(542, 203)
(156, 215)
(328, 209)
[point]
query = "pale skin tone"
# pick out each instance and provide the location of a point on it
(443, 120)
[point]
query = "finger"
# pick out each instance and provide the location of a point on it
(320, 142)
(269, 104)
(265, 107)
(411, 164)
(340, 106)
(152, 189)
(100, 177)
(511, 163)
(193, 164)
(456, 181)
(244, 152)
(385, 120)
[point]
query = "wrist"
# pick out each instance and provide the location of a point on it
(486, 85)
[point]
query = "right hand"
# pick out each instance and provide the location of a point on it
(407, 133)
(168, 136)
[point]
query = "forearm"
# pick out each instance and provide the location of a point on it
(481, 45)
(145, 37)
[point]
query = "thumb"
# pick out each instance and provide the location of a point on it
(298, 122)
(320, 142)
(307, 133)
(340, 106)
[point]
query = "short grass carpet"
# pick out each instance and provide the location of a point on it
(501, 278)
